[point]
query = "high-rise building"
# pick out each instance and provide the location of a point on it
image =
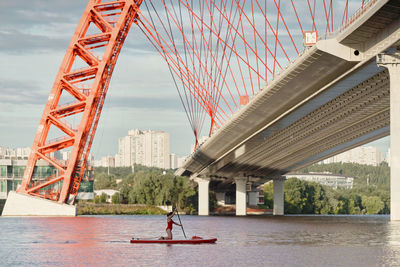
(16, 154)
(173, 159)
(144, 147)
(362, 155)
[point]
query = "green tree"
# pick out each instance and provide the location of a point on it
(152, 186)
(295, 199)
(373, 204)
(269, 195)
(115, 199)
(97, 199)
(104, 181)
(103, 198)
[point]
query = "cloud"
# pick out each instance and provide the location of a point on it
(21, 92)
(27, 13)
(14, 41)
(169, 103)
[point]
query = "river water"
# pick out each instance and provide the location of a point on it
(242, 241)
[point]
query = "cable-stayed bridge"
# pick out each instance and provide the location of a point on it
(283, 84)
(333, 97)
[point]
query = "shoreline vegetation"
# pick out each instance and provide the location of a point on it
(146, 186)
(88, 208)
(143, 189)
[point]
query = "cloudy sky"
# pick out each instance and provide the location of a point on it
(33, 38)
(34, 35)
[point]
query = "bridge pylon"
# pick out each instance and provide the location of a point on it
(204, 184)
(391, 61)
(77, 95)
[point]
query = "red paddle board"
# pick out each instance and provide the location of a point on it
(194, 240)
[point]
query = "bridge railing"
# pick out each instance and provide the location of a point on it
(357, 14)
(349, 21)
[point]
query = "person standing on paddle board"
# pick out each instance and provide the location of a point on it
(169, 225)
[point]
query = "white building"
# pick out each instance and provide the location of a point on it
(388, 157)
(15, 154)
(361, 155)
(329, 179)
(108, 192)
(107, 161)
(173, 160)
(66, 155)
(147, 148)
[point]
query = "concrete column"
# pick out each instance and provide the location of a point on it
(240, 196)
(203, 195)
(392, 63)
(279, 197)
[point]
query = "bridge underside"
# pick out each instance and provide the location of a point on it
(334, 97)
(350, 111)
(338, 121)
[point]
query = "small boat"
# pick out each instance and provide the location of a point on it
(193, 240)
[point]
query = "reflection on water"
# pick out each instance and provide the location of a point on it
(256, 241)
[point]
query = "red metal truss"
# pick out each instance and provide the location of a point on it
(84, 77)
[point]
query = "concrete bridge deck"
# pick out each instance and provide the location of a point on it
(332, 98)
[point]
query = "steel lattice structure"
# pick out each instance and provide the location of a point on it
(87, 86)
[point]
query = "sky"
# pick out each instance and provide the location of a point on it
(34, 35)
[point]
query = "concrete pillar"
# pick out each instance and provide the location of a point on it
(392, 63)
(203, 195)
(240, 196)
(279, 197)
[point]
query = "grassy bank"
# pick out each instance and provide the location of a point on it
(117, 209)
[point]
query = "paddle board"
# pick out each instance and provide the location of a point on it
(193, 240)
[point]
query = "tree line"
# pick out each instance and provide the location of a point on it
(147, 185)
(153, 186)
(370, 193)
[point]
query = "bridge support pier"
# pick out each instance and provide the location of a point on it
(392, 63)
(203, 195)
(279, 197)
(26, 205)
(241, 196)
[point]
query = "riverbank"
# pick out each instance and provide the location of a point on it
(89, 208)
(117, 209)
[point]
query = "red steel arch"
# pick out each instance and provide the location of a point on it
(84, 76)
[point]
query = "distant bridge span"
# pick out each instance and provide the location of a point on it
(334, 97)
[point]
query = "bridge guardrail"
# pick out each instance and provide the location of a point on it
(357, 14)
(349, 21)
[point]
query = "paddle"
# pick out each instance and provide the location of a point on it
(180, 222)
